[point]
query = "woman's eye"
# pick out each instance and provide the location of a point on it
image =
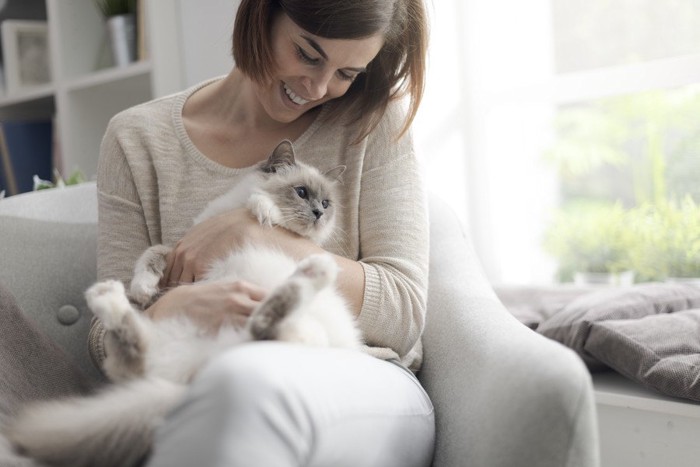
(325, 204)
(346, 77)
(301, 191)
(305, 57)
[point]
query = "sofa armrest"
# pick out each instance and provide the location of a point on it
(72, 204)
(48, 251)
(503, 395)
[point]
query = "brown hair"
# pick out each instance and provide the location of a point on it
(397, 70)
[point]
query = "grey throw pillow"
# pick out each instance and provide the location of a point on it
(571, 326)
(662, 352)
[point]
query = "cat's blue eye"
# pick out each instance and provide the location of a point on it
(325, 204)
(302, 192)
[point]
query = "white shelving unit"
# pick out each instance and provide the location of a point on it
(84, 96)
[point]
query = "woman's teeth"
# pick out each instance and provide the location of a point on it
(293, 97)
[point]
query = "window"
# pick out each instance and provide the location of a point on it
(549, 105)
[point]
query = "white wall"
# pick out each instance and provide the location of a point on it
(206, 38)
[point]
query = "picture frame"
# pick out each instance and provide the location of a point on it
(26, 57)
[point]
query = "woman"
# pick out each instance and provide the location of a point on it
(326, 75)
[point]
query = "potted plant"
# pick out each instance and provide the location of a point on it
(120, 16)
(75, 178)
(591, 243)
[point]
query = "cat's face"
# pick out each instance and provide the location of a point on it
(306, 199)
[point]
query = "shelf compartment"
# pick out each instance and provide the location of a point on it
(110, 75)
(88, 122)
(38, 102)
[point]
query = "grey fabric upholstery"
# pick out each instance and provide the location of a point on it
(40, 371)
(504, 396)
(661, 352)
(48, 258)
(572, 325)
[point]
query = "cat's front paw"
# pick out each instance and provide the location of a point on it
(264, 209)
(148, 272)
(108, 302)
(321, 269)
(142, 292)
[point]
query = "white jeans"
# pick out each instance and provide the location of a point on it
(270, 404)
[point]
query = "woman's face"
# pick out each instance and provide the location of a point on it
(310, 70)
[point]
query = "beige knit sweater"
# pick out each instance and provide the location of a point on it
(152, 182)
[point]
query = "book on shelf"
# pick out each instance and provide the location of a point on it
(26, 149)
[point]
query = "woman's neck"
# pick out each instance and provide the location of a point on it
(230, 101)
(226, 118)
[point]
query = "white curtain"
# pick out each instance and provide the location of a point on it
(484, 124)
(494, 90)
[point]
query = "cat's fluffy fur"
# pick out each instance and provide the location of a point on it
(153, 361)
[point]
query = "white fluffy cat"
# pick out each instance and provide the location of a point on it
(153, 361)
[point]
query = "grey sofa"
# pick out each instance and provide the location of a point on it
(504, 396)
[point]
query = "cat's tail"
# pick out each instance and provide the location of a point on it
(113, 428)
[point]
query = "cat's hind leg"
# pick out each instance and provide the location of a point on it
(313, 274)
(148, 272)
(124, 342)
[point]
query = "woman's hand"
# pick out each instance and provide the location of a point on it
(211, 239)
(218, 236)
(210, 304)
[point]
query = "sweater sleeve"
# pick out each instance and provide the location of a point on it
(393, 247)
(122, 232)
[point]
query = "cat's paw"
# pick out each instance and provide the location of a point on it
(264, 209)
(108, 302)
(142, 291)
(148, 272)
(321, 269)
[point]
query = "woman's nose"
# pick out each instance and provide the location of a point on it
(317, 84)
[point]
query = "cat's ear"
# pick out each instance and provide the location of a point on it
(335, 172)
(282, 156)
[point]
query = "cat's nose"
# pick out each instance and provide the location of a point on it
(318, 213)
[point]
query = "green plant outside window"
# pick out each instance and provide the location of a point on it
(629, 169)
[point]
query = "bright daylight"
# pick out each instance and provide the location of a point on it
(350, 233)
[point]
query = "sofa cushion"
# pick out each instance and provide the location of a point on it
(534, 305)
(571, 326)
(661, 352)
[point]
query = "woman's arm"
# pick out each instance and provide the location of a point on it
(393, 221)
(122, 228)
(210, 304)
(218, 235)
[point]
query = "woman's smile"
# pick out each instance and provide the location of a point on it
(294, 97)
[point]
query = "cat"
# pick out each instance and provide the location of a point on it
(152, 362)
